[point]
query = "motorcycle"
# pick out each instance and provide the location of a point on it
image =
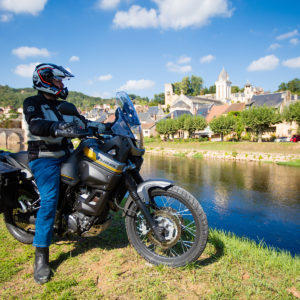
(164, 223)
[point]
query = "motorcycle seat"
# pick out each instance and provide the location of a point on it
(21, 158)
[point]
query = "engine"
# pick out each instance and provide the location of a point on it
(85, 225)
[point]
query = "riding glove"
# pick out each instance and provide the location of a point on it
(66, 129)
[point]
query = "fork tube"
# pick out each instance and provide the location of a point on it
(132, 188)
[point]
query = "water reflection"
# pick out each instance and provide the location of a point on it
(257, 200)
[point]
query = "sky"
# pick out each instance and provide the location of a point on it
(138, 46)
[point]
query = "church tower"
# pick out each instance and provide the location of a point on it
(169, 94)
(223, 87)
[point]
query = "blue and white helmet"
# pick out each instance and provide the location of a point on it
(43, 76)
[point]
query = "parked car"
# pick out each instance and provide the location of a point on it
(295, 138)
(282, 139)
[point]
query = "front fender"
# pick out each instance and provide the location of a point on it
(143, 190)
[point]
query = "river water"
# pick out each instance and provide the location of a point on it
(255, 200)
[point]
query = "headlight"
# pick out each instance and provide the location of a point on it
(138, 134)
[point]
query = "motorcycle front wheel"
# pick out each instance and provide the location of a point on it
(182, 221)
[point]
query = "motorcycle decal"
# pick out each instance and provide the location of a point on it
(67, 176)
(92, 155)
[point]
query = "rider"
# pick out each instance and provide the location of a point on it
(49, 144)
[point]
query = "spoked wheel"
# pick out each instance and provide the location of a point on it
(182, 223)
(20, 221)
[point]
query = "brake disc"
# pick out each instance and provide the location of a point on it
(172, 228)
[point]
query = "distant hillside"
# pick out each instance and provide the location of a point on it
(15, 97)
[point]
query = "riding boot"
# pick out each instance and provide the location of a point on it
(42, 272)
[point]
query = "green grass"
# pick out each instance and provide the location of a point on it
(198, 155)
(292, 163)
(284, 148)
(106, 267)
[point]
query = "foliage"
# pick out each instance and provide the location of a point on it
(157, 99)
(223, 125)
(168, 127)
(235, 89)
(238, 126)
(259, 119)
(292, 113)
(292, 85)
(189, 86)
(15, 98)
(138, 100)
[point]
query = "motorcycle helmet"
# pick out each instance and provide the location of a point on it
(43, 76)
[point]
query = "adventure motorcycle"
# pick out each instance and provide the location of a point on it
(164, 223)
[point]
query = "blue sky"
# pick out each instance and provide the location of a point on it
(138, 46)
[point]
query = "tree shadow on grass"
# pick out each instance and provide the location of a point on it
(113, 238)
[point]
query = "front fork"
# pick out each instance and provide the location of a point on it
(132, 189)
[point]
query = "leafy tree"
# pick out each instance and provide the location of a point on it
(189, 86)
(186, 85)
(193, 123)
(235, 89)
(223, 125)
(259, 119)
(292, 113)
(196, 85)
(292, 85)
(212, 89)
(157, 99)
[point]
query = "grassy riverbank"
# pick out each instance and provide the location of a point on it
(284, 148)
(106, 267)
(287, 153)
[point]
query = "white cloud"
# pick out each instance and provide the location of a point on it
(173, 67)
(175, 14)
(5, 18)
(207, 59)
(294, 41)
(184, 60)
(292, 63)
(24, 52)
(105, 77)
(133, 85)
(268, 62)
(107, 4)
(274, 46)
(26, 70)
(136, 17)
(33, 7)
(287, 35)
(74, 58)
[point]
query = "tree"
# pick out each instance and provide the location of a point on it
(158, 99)
(293, 86)
(238, 127)
(235, 89)
(186, 85)
(212, 89)
(189, 86)
(292, 113)
(196, 85)
(193, 123)
(259, 119)
(222, 125)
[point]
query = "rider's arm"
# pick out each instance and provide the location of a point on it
(35, 118)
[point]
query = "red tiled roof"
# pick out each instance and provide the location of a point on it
(216, 111)
(235, 107)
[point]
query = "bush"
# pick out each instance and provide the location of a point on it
(234, 154)
(246, 137)
(203, 139)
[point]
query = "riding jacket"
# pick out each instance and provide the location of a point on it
(40, 113)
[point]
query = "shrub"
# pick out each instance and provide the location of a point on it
(198, 155)
(234, 154)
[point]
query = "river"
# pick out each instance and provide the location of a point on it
(255, 200)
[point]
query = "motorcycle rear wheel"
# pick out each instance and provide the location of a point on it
(21, 230)
(184, 226)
